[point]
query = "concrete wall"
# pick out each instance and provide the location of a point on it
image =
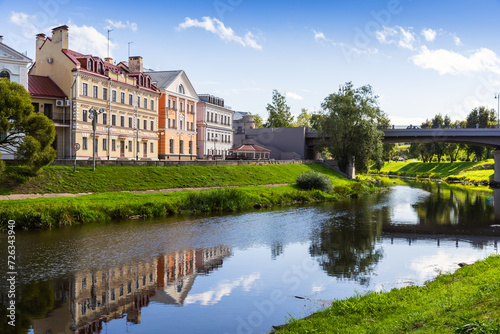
(88, 163)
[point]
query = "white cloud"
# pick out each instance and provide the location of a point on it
(429, 34)
(397, 35)
(218, 28)
(456, 40)
(28, 23)
(224, 288)
(294, 96)
(88, 40)
(319, 36)
(450, 62)
(119, 25)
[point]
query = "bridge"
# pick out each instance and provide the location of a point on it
(475, 136)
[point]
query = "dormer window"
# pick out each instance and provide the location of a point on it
(149, 83)
(181, 89)
(141, 81)
(90, 65)
(99, 68)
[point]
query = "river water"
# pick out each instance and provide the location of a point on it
(243, 273)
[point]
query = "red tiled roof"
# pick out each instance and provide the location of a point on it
(249, 148)
(44, 87)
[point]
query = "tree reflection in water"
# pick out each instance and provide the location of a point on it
(345, 246)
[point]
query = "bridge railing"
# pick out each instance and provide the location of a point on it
(412, 127)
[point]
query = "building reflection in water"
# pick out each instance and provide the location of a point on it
(86, 300)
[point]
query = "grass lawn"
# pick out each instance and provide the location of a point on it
(467, 301)
(55, 179)
(455, 170)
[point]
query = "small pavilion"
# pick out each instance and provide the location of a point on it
(250, 151)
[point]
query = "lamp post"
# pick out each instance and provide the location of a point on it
(93, 116)
(497, 96)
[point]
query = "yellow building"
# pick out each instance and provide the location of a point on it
(127, 128)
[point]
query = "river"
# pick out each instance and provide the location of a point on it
(243, 273)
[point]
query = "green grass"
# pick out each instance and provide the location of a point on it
(57, 211)
(460, 171)
(467, 301)
(54, 179)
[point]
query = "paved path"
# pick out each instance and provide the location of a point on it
(169, 190)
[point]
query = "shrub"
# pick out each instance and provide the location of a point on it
(313, 180)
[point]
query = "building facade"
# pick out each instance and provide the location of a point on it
(126, 98)
(177, 115)
(215, 128)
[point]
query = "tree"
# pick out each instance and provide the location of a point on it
(485, 119)
(304, 119)
(279, 112)
(348, 125)
(258, 121)
(26, 134)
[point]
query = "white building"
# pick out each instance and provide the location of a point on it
(215, 127)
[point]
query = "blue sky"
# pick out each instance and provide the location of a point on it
(421, 57)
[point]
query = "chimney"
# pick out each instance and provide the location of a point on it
(108, 60)
(40, 38)
(135, 64)
(60, 36)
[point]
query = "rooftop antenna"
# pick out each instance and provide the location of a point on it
(129, 48)
(109, 30)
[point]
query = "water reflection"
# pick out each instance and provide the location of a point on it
(85, 300)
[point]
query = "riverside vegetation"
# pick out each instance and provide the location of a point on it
(467, 301)
(466, 172)
(107, 205)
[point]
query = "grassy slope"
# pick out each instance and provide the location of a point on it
(109, 179)
(455, 171)
(467, 301)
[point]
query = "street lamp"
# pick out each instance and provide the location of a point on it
(93, 116)
(497, 96)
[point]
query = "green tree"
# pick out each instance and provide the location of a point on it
(484, 118)
(348, 126)
(304, 119)
(279, 112)
(258, 121)
(26, 134)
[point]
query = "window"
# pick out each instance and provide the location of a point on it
(5, 74)
(174, 104)
(145, 105)
(104, 118)
(99, 68)
(145, 148)
(47, 110)
(36, 106)
(113, 96)
(113, 144)
(95, 91)
(187, 126)
(181, 89)
(211, 117)
(181, 147)
(181, 105)
(192, 126)
(129, 287)
(130, 99)
(85, 116)
(130, 146)
(152, 123)
(169, 104)
(138, 147)
(85, 89)
(152, 104)
(180, 125)
(174, 125)
(151, 149)
(138, 123)
(104, 144)
(113, 296)
(113, 120)
(130, 124)
(145, 124)
(84, 143)
(105, 93)
(171, 146)
(122, 97)
(122, 121)
(191, 146)
(121, 290)
(169, 123)
(90, 65)
(138, 102)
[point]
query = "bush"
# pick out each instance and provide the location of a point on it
(313, 180)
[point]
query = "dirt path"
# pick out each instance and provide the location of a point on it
(169, 190)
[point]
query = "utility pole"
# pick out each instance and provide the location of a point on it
(109, 30)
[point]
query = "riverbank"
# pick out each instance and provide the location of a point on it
(48, 212)
(467, 301)
(465, 172)
(58, 179)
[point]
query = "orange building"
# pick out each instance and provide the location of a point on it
(177, 115)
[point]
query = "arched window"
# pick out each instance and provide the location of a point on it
(171, 146)
(5, 74)
(181, 89)
(99, 68)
